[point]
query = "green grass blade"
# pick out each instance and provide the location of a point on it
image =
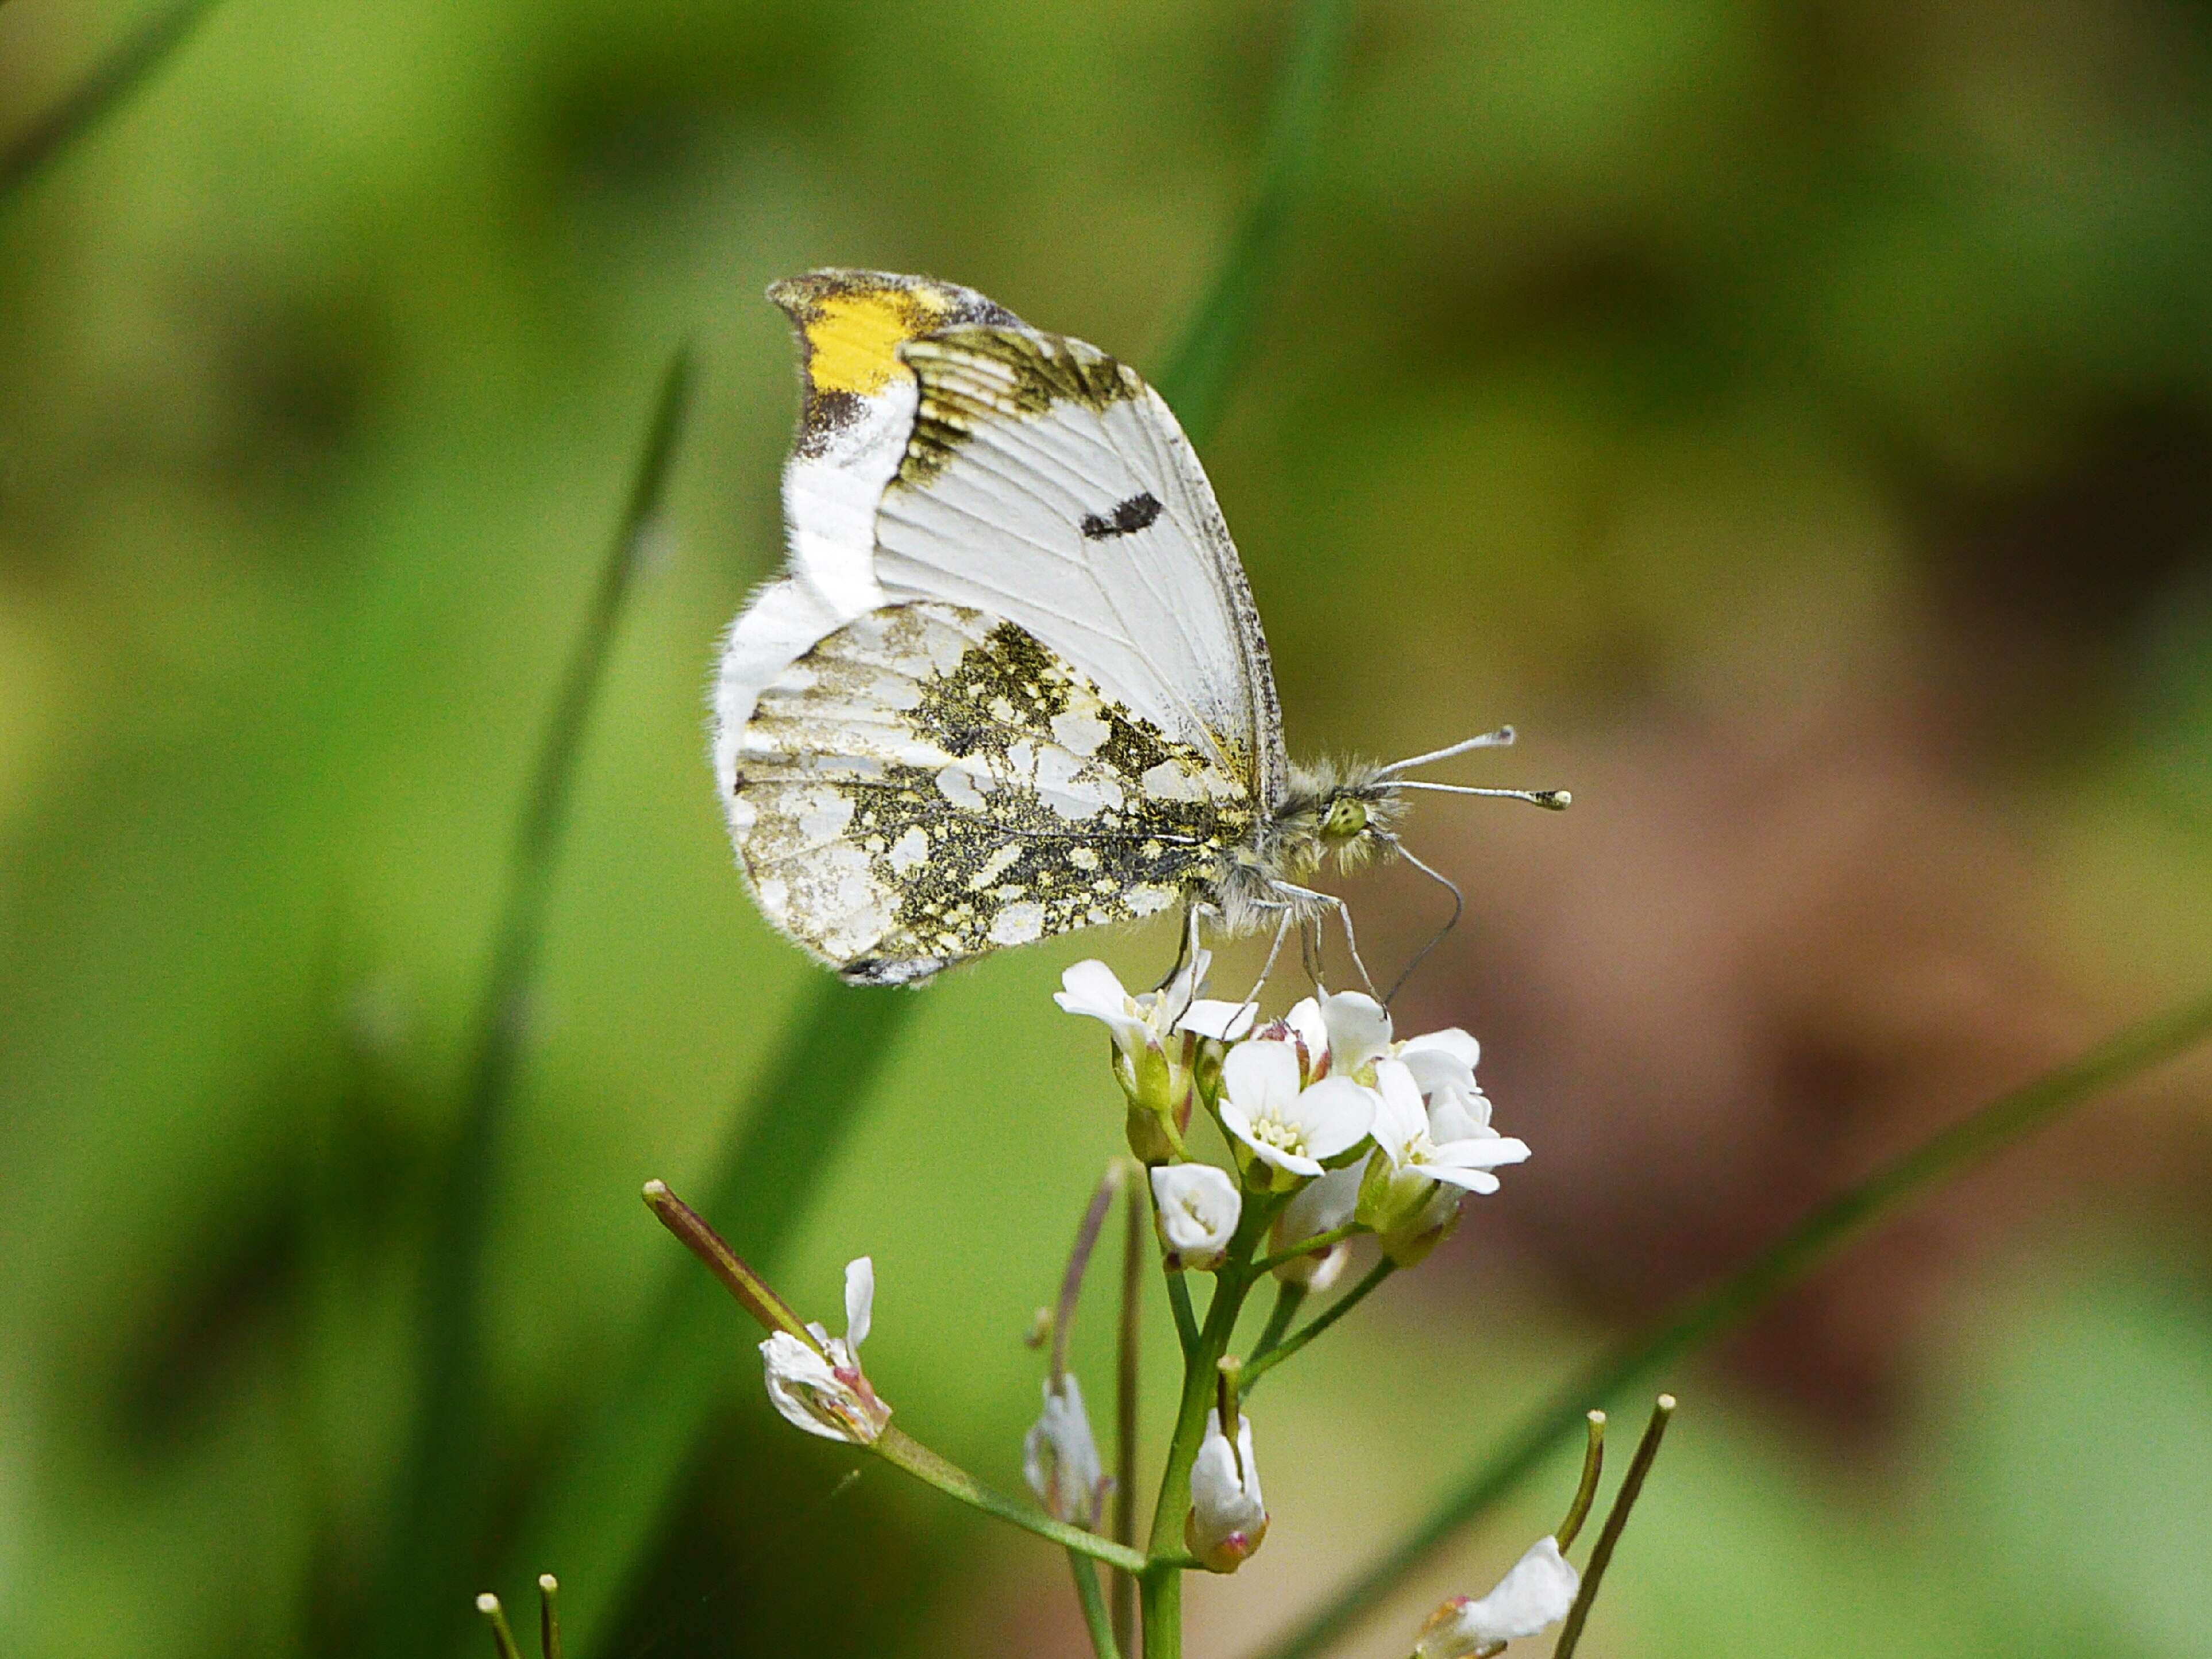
(103, 92)
(597, 1509)
(427, 1565)
(1744, 1292)
(1196, 380)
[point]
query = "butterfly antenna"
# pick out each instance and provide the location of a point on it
(1555, 800)
(1501, 738)
(1459, 908)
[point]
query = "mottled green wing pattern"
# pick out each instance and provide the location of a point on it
(929, 783)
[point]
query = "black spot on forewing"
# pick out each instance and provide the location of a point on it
(1126, 520)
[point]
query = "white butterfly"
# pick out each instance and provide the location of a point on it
(1012, 683)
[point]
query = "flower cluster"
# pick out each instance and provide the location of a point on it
(1364, 1131)
(1334, 1125)
(1331, 1127)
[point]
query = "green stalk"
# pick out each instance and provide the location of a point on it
(906, 1453)
(1744, 1292)
(1136, 1211)
(1161, 1588)
(1262, 1364)
(106, 90)
(426, 1553)
(1095, 1620)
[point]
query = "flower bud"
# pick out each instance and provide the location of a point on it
(820, 1388)
(1060, 1458)
(1227, 1520)
(1196, 1207)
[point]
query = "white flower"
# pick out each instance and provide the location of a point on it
(1227, 1518)
(1358, 1033)
(823, 1391)
(1060, 1459)
(1197, 1206)
(1443, 1063)
(1425, 1161)
(1537, 1593)
(1156, 1037)
(1292, 1129)
(1319, 1206)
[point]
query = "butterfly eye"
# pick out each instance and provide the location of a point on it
(1346, 819)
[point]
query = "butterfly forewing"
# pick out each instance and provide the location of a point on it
(1046, 484)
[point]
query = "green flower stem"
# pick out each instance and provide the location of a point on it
(502, 1638)
(549, 1615)
(1261, 1364)
(1103, 1643)
(754, 1294)
(1136, 1237)
(1289, 1298)
(1079, 1261)
(1750, 1288)
(1616, 1519)
(1318, 1241)
(1586, 1489)
(756, 1297)
(902, 1450)
(1162, 1590)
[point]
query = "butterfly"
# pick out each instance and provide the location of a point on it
(1013, 682)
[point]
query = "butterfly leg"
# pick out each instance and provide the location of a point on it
(1307, 894)
(1187, 948)
(1282, 931)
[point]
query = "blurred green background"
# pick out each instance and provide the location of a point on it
(1796, 418)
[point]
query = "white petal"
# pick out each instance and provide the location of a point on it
(793, 1372)
(1471, 1180)
(860, 1301)
(1483, 1152)
(1262, 1077)
(1092, 990)
(1537, 1592)
(1321, 1206)
(1199, 1208)
(1307, 1026)
(1451, 1042)
(1398, 1114)
(1358, 1030)
(1457, 1117)
(1335, 1113)
(1225, 1022)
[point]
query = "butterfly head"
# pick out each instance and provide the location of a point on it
(1339, 811)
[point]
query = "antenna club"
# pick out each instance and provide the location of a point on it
(1557, 801)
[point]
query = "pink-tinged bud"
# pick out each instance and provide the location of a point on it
(1228, 1520)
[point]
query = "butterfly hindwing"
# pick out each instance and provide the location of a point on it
(930, 781)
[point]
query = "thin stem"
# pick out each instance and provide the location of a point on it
(1078, 1260)
(1333, 1237)
(1586, 1492)
(1702, 1318)
(1103, 1643)
(103, 92)
(440, 1503)
(1616, 1520)
(1261, 1364)
(549, 1615)
(1136, 1211)
(754, 1294)
(903, 1451)
(502, 1638)
(1162, 1590)
(1289, 1298)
